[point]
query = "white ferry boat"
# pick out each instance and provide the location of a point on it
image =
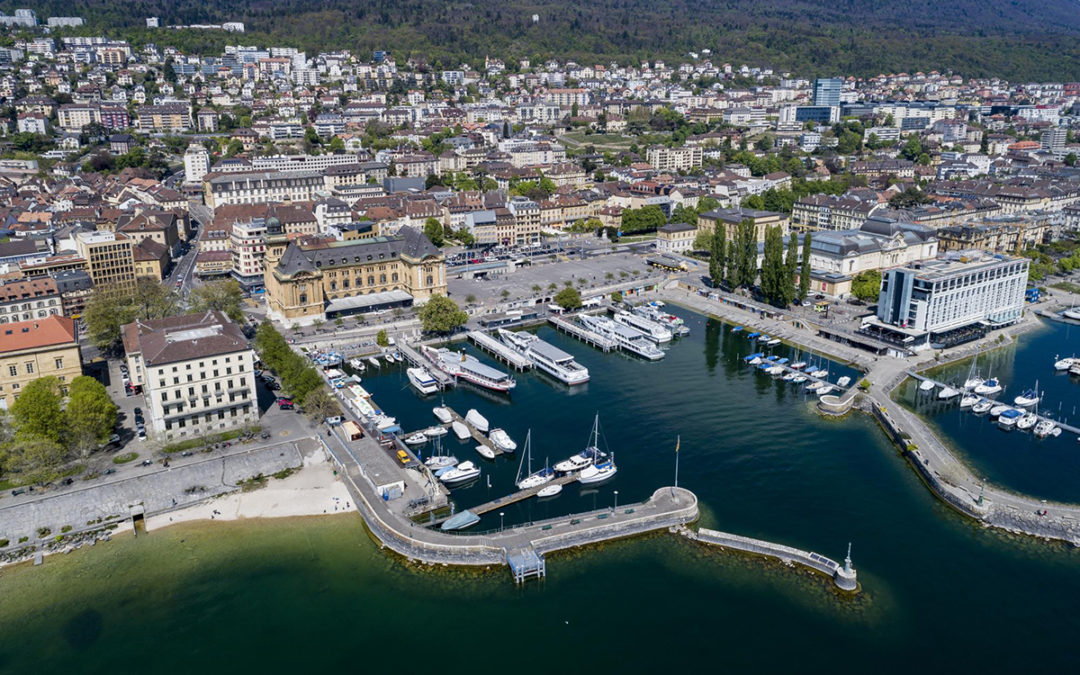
(422, 381)
(652, 330)
(546, 356)
(468, 368)
(673, 323)
(633, 341)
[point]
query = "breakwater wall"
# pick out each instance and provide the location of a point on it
(844, 576)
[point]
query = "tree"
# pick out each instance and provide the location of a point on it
(912, 148)
(866, 285)
(616, 297)
(717, 254)
(36, 413)
(911, 196)
(319, 404)
(791, 266)
(110, 308)
(804, 270)
(36, 458)
(1070, 159)
(773, 271)
(381, 338)
(337, 146)
(90, 414)
(568, 298)
(440, 314)
(224, 296)
(746, 252)
(433, 230)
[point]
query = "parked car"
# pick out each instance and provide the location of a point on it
(273, 386)
(333, 421)
(285, 405)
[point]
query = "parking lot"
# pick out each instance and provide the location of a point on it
(522, 283)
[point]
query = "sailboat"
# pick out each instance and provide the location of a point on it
(587, 457)
(598, 473)
(973, 380)
(1028, 397)
(438, 460)
(531, 480)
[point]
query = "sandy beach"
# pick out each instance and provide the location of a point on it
(313, 490)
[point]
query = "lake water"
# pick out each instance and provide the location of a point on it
(279, 596)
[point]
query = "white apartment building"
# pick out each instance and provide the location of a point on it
(74, 117)
(674, 159)
(301, 162)
(248, 243)
(921, 304)
(196, 163)
(196, 372)
(260, 187)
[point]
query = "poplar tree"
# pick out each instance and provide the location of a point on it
(804, 271)
(717, 255)
(773, 272)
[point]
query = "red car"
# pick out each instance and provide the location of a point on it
(285, 404)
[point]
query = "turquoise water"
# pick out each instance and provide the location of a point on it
(939, 592)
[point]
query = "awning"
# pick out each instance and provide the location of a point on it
(365, 302)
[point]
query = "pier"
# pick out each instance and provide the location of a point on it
(477, 436)
(499, 350)
(843, 576)
(584, 334)
(938, 385)
(511, 498)
(417, 359)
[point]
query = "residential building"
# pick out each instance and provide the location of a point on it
(248, 245)
(75, 288)
(197, 373)
(108, 257)
(171, 117)
(684, 158)
(258, 187)
(675, 237)
(314, 278)
(37, 348)
(26, 299)
(196, 163)
(730, 219)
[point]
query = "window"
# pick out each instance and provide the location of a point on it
(59, 363)
(13, 371)
(29, 368)
(303, 298)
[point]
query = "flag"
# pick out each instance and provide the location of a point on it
(678, 439)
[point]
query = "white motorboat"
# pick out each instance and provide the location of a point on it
(443, 413)
(843, 381)
(390, 358)
(357, 364)
(757, 360)
(927, 385)
(798, 379)
(1045, 428)
(502, 440)
(1027, 421)
(478, 421)
(460, 430)
(385, 422)
(598, 473)
(1008, 419)
(814, 385)
(531, 479)
(549, 490)
(546, 356)
(586, 457)
(466, 367)
(997, 410)
(374, 361)
(947, 393)
(485, 452)
(989, 387)
(982, 407)
(773, 342)
(652, 330)
(1065, 364)
(418, 438)
(1073, 313)
(824, 389)
(969, 400)
(435, 432)
(820, 373)
(422, 381)
(440, 461)
(775, 370)
(788, 376)
(629, 339)
(461, 473)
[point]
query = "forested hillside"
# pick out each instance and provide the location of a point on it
(1016, 39)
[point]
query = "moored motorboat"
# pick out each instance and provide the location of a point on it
(460, 521)
(843, 381)
(1066, 363)
(927, 385)
(997, 410)
(814, 385)
(798, 379)
(947, 393)
(422, 381)
(390, 358)
(478, 421)
(969, 400)
(549, 490)
(598, 473)
(502, 440)
(989, 387)
(460, 430)
(433, 432)
(1027, 398)
(374, 361)
(820, 373)
(485, 452)
(799, 365)
(773, 342)
(418, 438)
(982, 407)
(1044, 428)
(357, 364)
(1008, 419)
(463, 472)
(1027, 421)
(443, 413)
(440, 461)
(824, 389)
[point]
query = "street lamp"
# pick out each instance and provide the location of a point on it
(616, 499)
(501, 514)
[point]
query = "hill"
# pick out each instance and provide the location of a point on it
(1015, 39)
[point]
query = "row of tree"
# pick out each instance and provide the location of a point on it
(734, 263)
(45, 430)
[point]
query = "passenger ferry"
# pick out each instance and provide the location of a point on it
(631, 340)
(468, 368)
(652, 330)
(546, 356)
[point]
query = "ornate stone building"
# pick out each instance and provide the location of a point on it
(317, 277)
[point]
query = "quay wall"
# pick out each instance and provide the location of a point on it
(785, 554)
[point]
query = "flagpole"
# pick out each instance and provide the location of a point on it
(675, 492)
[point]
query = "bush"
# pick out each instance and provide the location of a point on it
(208, 440)
(65, 529)
(4, 542)
(44, 532)
(864, 384)
(125, 458)
(22, 540)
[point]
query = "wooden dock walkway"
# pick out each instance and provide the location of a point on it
(476, 434)
(584, 334)
(499, 350)
(937, 385)
(417, 359)
(521, 495)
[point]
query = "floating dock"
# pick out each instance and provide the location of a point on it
(584, 334)
(512, 498)
(499, 350)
